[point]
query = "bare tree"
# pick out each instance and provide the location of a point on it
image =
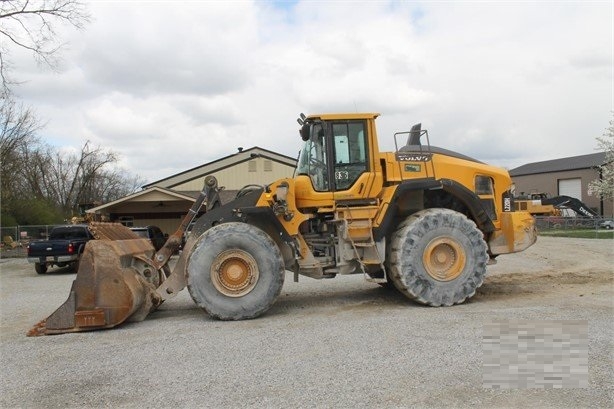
(18, 129)
(32, 25)
(70, 179)
(109, 184)
(35, 172)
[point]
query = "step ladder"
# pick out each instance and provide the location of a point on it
(359, 233)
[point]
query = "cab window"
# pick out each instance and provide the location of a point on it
(350, 153)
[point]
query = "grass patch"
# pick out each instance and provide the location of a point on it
(579, 233)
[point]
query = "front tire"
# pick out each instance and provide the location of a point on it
(235, 271)
(438, 257)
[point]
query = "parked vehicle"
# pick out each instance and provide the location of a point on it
(607, 224)
(153, 233)
(64, 246)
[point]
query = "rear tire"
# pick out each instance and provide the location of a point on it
(437, 257)
(235, 271)
(40, 268)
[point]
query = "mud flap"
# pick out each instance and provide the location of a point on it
(109, 289)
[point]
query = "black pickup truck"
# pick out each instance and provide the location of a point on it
(64, 247)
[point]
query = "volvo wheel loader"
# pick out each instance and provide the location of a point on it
(423, 220)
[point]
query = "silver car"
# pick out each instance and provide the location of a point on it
(607, 224)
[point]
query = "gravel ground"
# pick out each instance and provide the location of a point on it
(340, 343)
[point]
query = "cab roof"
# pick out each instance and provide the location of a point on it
(335, 117)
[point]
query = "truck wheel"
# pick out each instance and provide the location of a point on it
(235, 271)
(437, 257)
(40, 268)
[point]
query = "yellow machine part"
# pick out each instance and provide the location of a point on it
(536, 207)
(517, 233)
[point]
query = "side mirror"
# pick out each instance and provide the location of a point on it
(305, 132)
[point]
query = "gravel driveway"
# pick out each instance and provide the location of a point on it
(340, 343)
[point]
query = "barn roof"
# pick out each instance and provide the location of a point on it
(155, 193)
(592, 160)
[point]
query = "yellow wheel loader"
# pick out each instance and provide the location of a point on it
(421, 219)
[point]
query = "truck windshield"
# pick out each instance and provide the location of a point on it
(68, 233)
(312, 159)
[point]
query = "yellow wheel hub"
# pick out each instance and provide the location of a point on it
(444, 259)
(234, 273)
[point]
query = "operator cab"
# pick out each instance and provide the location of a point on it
(335, 153)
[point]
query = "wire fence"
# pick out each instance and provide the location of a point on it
(15, 239)
(25, 234)
(571, 223)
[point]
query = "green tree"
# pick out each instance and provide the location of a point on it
(36, 211)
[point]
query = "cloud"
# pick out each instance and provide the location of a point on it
(190, 48)
(170, 86)
(154, 133)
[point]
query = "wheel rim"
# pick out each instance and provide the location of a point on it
(444, 259)
(234, 273)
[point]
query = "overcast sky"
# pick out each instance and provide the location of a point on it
(173, 85)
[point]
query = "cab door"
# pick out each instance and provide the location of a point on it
(312, 181)
(351, 176)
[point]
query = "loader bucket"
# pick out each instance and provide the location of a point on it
(114, 283)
